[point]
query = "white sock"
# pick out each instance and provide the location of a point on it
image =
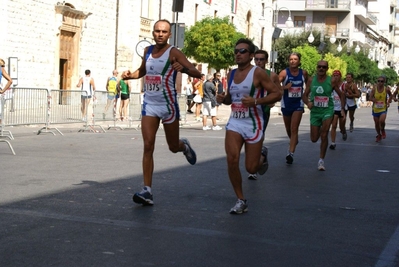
(321, 160)
(147, 188)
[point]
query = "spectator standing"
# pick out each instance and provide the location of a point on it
(209, 104)
(3, 73)
(88, 87)
(188, 91)
(124, 91)
(219, 87)
(199, 91)
(112, 95)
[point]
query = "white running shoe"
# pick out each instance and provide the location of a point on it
(240, 207)
(321, 165)
(216, 128)
(206, 128)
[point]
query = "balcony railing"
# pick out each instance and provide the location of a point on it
(328, 4)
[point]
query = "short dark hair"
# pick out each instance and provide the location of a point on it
(251, 46)
(351, 74)
(262, 52)
(87, 72)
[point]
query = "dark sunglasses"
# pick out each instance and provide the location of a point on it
(241, 51)
(380, 81)
(259, 59)
(322, 67)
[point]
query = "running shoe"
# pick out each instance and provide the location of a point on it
(252, 176)
(351, 127)
(378, 138)
(216, 128)
(321, 165)
(206, 128)
(240, 207)
(332, 146)
(144, 197)
(289, 158)
(383, 134)
(265, 164)
(344, 136)
(189, 152)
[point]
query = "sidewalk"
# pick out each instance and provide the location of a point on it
(224, 114)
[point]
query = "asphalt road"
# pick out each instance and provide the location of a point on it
(66, 201)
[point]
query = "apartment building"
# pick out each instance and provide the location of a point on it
(366, 24)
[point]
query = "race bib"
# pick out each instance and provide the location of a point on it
(337, 99)
(294, 92)
(153, 82)
(239, 111)
(321, 101)
(379, 104)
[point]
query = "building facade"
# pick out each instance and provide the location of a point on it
(49, 44)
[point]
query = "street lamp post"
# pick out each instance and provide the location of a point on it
(332, 40)
(276, 33)
(322, 36)
(339, 48)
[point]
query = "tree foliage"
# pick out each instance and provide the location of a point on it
(392, 77)
(335, 63)
(364, 69)
(212, 41)
(309, 58)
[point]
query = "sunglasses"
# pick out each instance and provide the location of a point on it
(241, 51)
(380, 81)
(322, 67)
(259, 59)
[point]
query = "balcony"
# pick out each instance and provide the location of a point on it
(361, 14)
(342, 33)
(328, 5)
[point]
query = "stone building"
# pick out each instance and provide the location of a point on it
(49, 44)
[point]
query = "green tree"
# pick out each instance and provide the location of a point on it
(392, 76)
(284, 46)
(309, 58)
(368, 70)
(352, 65)
(212, 41)
(335, 63)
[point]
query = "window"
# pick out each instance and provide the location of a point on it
(145, 8)
(299, 21)
(234, 6)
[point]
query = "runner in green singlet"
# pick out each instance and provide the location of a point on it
(319, 99)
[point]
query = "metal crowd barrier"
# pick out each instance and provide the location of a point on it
(29, 106)
(2, 108)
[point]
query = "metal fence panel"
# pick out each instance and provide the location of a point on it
(26, 106)
(65, 106)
